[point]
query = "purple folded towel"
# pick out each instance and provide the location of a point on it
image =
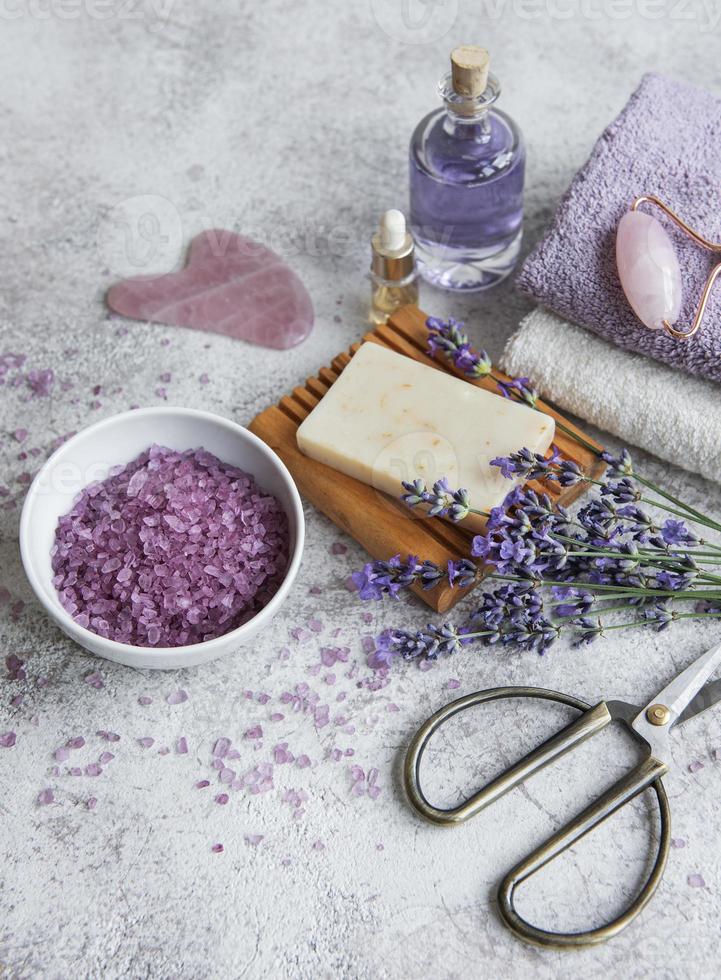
(666, 142)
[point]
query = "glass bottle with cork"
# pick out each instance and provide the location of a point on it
(467, 165)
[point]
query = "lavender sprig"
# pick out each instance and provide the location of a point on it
(380, 579)
(442, 501)
(447, 338)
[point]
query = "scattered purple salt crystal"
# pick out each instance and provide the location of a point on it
(218, 764)
(716, 755)
(40, 383)
(186, 548)
(75, 743)
(62, 754)
(204, 379)
(368, 644)
(94, 680)
(163, 750)
(318, 845)
(93, 769)
(695, 766)
(7, 740)
(144, 699)
(20, 435)
(349, 752)
(277, 716)
(232, 754)
(425, 664)
(41, 682)
(453, 684)
(696, 881)
(262, 698)
(226, 775)
(217, 848)
(165, 377)
(45, 796)
(321, 716)
(678, 842)
(222, 798)
(253, 839)
(315, 590)
(15, 667)
(181, 746)
(220, 749)
(281, 754)
(379, 846)
(330, 679)
(105, 758)
(336, 755)
(177, 697)
(16, 701)
(392, 706)
(303, 761)
(146, 742)
(91, 803)
(350, 584)
(315, 625)
(255, 732)
(373, 790)
(202, 784)
(108, 736)
(338, 548)
(75, 771)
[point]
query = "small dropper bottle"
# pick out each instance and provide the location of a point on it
(394, 276)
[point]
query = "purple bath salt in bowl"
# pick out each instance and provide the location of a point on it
(174, 548)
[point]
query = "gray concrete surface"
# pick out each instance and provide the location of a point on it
(290, 121)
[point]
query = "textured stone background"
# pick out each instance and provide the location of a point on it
(290, 121)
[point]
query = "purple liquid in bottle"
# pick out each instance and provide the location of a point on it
(467, 163)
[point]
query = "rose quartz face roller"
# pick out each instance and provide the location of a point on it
(649, 271)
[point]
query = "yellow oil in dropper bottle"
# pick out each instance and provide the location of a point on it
(394, 277)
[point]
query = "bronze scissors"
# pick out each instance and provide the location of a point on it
(680, 700)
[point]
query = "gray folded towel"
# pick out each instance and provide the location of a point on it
(669, 413)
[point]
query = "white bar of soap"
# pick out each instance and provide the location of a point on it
(389, 419)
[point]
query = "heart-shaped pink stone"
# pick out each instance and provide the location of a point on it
(230, 285)
(648, 269)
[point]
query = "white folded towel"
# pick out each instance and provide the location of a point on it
(673, 415)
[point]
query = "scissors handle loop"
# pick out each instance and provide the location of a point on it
(592, 720)
(647, 774)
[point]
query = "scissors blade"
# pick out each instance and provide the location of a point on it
(676, 696)
(707, 697)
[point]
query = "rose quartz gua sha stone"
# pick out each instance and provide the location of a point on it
(648, 269)
(230, 285)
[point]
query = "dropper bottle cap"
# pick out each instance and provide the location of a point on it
(393, 249)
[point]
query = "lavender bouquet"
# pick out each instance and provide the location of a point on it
(613, 565)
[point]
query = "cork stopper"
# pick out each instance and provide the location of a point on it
(469, 70)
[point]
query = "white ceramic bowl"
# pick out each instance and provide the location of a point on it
(89, 455)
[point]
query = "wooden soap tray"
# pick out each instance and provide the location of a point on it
(383, 525)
